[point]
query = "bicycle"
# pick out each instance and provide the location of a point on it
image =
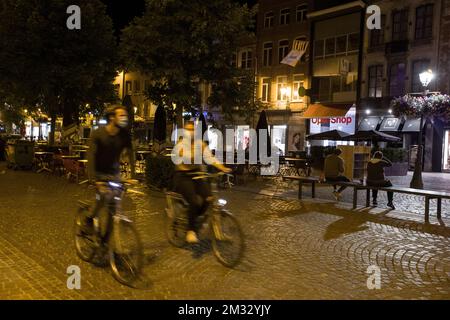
(221, 226)
(117, 234)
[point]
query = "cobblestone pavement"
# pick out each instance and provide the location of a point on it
(314, 249)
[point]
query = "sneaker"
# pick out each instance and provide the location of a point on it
(337, 195)
(191, 237)
(391, 205)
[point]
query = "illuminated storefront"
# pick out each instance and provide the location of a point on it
(345, 123)
(446, 152)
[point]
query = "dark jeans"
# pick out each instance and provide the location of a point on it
(337, 179)
(195, 192)
(384, 183)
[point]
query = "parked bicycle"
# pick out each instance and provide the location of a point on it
(221, 227)
(113, 233)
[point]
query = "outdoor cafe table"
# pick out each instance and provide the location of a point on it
(300, 164)
(44, 159)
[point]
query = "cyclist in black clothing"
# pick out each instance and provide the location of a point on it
(106, 147)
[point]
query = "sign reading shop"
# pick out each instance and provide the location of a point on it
(345, 123)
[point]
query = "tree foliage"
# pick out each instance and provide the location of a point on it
(179, 44)
(43, 62)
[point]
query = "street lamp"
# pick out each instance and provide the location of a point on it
(425, 78)
(417, 182)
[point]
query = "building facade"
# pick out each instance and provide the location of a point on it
(412, 39)
(279, 24)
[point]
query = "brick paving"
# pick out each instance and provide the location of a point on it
(314, 249)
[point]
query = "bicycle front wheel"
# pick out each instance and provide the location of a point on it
(228, 239)
(125, 251)
(84, 241)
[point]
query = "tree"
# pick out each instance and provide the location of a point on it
(43, 62)
(235, 96)
(180, 44)
(424, 107)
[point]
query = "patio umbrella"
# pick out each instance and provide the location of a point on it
(159, 126)
(263, 125)
(335, 135)
(372, 135)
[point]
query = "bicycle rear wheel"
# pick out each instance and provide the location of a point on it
(84, 241)
(125, 252)
(228, 239)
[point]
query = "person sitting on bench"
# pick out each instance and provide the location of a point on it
(376, 178)
(334, 171)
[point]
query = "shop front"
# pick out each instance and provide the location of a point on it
(446, 151)
(345, 123)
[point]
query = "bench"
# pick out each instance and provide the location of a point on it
(313, 180)
(428, 194)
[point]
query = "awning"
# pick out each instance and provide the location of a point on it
(390, 124)
(369, 123)
(412, 125)
(326, 111)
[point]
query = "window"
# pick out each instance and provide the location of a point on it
(397, 73)
(267, 54)
(137, 86)
(128, 87)
(233, 60)
(336, 46)
(146, 85)
(268, 20)
(418, 67)
(246, 59)
(424, 21)
(353, 42)
(318, 49)
(265, 94)
(377, 35)
(400, 25)
(330, 49)
(375, 81)
(284, 16)
(281, 89)
(296, 84)
(283, 48)
(341, 45)
(324, 89)
(300, 15)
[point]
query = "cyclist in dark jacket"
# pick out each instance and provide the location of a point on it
(376, 178)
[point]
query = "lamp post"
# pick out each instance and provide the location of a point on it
(417, 181)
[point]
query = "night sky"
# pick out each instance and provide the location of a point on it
(122, 12)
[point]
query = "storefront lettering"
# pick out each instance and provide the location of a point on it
(338, 120)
